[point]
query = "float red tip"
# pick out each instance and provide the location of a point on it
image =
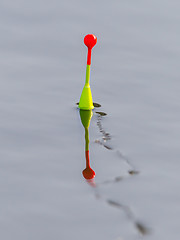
(90, 41)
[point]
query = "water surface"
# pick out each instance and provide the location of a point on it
(134, 76)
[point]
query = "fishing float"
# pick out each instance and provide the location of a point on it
(86, 102)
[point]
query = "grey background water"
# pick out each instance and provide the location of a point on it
(135, 77)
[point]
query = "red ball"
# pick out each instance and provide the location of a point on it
(88, 173)
(90, 40)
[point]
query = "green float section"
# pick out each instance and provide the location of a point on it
(86, 102)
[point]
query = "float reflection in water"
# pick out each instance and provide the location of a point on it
(86, 115)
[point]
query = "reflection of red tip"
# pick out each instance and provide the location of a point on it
(90, 41)
(88, 173)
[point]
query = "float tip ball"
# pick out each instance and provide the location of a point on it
(90, 40)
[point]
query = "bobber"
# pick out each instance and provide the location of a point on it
(86, 102)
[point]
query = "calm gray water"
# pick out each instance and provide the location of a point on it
(135, 76)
